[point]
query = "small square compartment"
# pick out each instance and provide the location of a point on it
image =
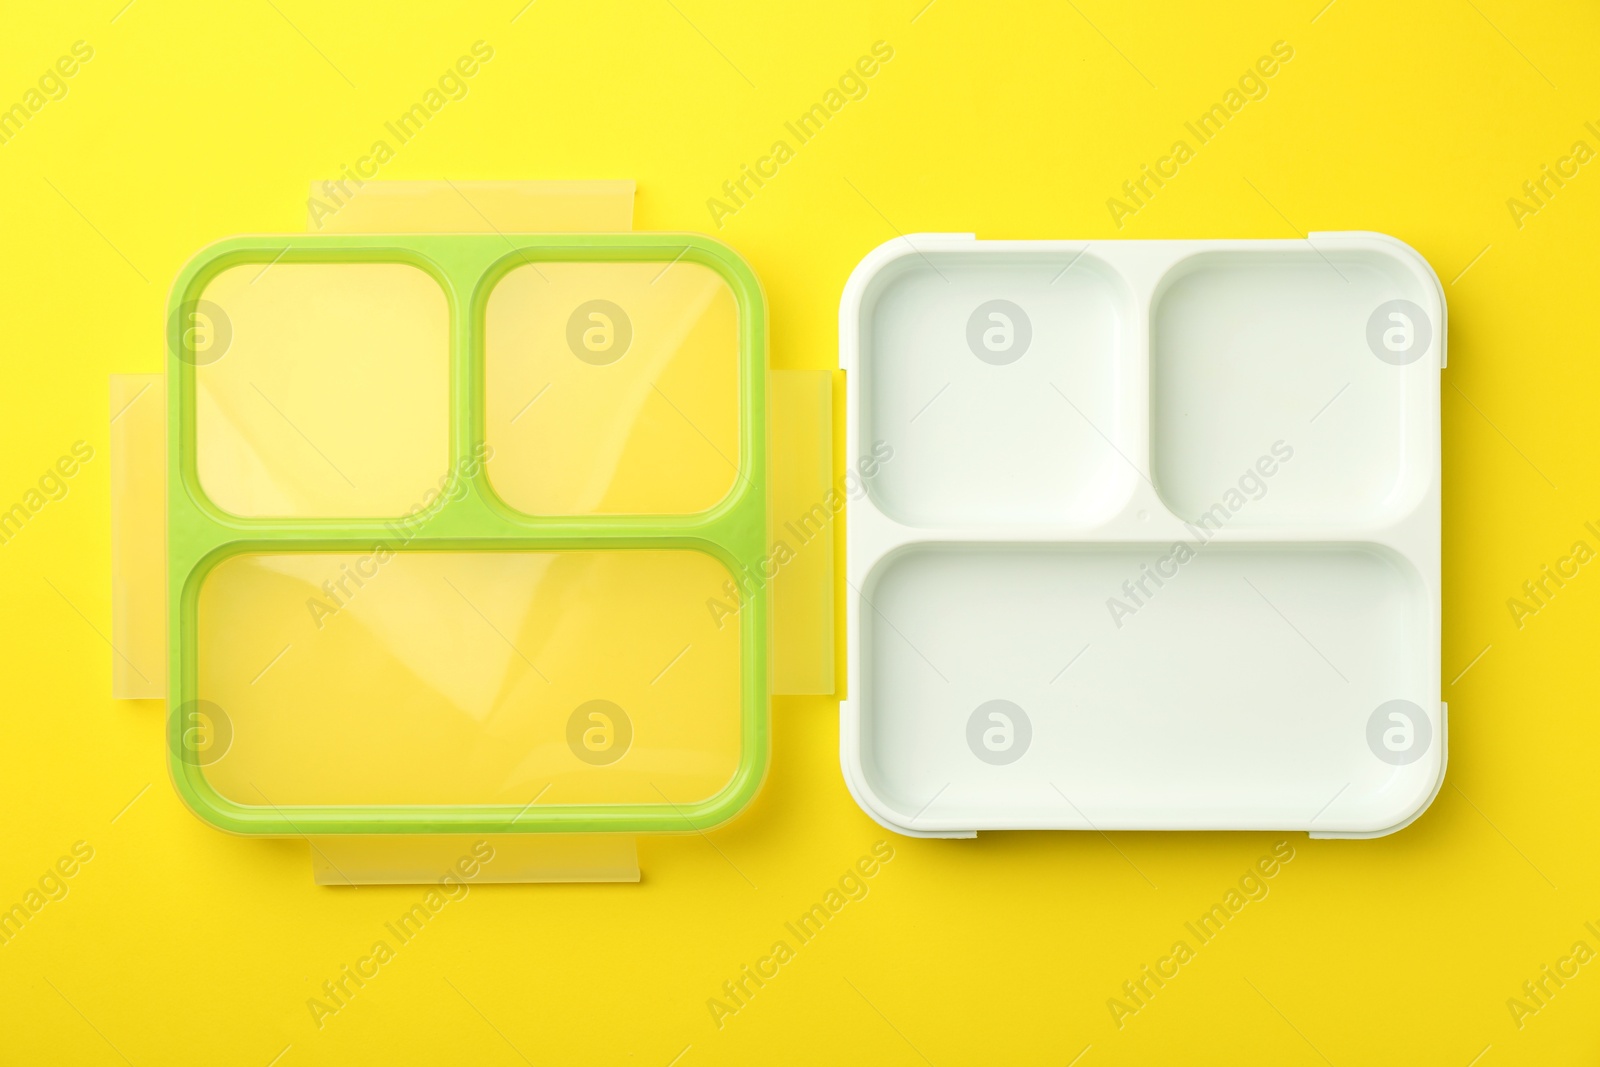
(993, 383)
(1266, 354)
(394, 676)
(612, 388)
(322, 390)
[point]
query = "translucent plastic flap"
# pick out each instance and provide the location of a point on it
(478, 207)
(138, 537)
(454, 678)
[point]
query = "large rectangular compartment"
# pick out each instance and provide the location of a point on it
(1153, 535)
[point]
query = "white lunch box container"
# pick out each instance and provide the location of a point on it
(1148, 535)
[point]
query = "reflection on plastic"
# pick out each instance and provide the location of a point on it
(332, 397)
(612, 388)
(452, 677)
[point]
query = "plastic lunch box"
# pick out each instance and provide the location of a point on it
(1152, 538)
(447, 511)
(461, 534)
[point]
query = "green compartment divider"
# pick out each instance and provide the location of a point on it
(467, 267)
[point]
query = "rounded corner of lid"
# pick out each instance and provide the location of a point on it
(729, 261)
(197, 271)
(736, 801)
(206, 804)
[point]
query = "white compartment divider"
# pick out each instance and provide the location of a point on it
(1151, 536)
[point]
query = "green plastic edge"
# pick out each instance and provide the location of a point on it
(467, 267)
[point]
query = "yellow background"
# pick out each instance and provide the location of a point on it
(180, 945)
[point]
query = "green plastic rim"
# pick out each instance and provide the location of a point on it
(467, 267)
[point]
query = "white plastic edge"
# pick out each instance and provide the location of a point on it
(873, 263)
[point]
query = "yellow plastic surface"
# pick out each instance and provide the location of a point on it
(612, 388)
(511, 678)
(327, 391)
